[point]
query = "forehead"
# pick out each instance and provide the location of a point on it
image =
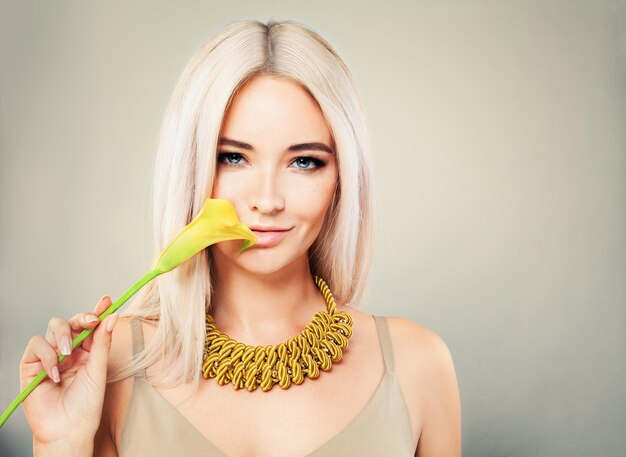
(269, 110)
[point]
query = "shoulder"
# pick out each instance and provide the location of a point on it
(419, 348)
(121, 344)
(426, 372)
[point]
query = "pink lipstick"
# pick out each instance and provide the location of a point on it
(268, 236)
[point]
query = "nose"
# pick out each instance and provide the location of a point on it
(266, 194)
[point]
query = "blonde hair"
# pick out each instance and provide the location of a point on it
(184, 170)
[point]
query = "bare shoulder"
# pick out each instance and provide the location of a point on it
(419, 348)
(427, 375)
(121, 344)
(122, 341)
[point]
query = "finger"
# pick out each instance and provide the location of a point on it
(82, 321)
(103, 304)
(59, 335)
(89, 320)
(40, 352)
(87, 343)
(96, 367)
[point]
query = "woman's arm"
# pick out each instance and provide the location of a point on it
(440, 400)
(426, 372)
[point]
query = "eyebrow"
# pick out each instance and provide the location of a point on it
(292, 148)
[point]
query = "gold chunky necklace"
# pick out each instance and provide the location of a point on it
(317, 346)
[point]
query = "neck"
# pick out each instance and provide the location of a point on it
(264, 309)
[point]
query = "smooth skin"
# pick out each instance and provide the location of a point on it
(270, 185)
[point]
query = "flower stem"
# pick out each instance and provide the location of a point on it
(77, 341)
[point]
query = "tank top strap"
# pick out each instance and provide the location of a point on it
(137, 334)
(385, 342)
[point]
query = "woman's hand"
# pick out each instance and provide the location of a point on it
(66, 407)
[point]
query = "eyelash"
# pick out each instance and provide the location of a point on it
(317, 162)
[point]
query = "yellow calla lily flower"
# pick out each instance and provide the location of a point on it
(217, 221)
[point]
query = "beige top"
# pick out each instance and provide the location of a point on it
(153, 427)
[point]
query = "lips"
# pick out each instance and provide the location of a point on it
(268, 238)
(268, 228)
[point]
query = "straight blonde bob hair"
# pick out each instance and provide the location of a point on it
(184, 169)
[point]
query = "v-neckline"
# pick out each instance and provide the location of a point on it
(333, 438)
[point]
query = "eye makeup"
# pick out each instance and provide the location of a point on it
(224, 158)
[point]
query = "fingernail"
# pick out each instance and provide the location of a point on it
(102, 298)
(91, 318)
(112, 321)
(66, 345)
(55, 374)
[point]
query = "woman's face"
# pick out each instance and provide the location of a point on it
(276, 165)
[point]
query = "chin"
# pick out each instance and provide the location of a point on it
(266, 267)
(267, 259)
(259, 261)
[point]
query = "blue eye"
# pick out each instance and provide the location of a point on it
(228, 155)
(309, 160)
(304, 164)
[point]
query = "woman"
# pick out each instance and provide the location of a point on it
(266, 116)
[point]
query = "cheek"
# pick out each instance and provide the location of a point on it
(224, 187)
(311, 203)
(234, 188)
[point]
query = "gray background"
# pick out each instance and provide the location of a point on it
(499, 150)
